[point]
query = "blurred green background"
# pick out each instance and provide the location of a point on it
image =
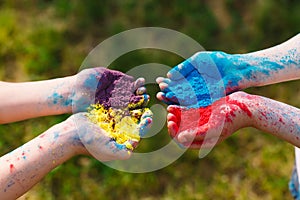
(47, 39)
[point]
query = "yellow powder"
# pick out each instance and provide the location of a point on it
(120, 124)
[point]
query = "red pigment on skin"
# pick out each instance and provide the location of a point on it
(241, 105)
(41, 136)
(280, 120)
(11, 168)
(187, 118)
(40, 147)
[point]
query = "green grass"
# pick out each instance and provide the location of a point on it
(47, 39)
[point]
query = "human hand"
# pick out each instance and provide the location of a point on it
(96, 142)
(204, 127)
(200, 80)
(108, 87)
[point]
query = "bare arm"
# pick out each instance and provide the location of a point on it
(22, 168)
(71, 94)
(27, 165)
(215, 72)
(204, 127)
(21, 101)
(277, 118)
(276, 64)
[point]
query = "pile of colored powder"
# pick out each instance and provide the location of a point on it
(120, 124)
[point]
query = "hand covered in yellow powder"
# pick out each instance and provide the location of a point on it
(97, 142)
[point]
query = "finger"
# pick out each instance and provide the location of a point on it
(159, 80)
(145, 122)
(140, 91)
(194, 145)
(144, 126)
(147, 113)
(138, 83)
(204, 144)
(139, 101)
(162, 80)
(170, 95)
(163, 97)
(194, 134)
(180, 71)
(164, 87)
(119, 151)
(175, 109)
(172, 117)
(172, 129)
(163, 84)
(133, 144)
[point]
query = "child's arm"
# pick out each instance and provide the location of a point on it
(205, 127)
(216, 74)
(22, 168)
(71, 94)
(21, 101)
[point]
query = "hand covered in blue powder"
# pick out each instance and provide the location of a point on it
(108, 87)
(198, 81)
(208, 76)
(95, 141)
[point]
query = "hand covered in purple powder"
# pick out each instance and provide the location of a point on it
(108, 87)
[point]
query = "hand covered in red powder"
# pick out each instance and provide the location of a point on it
(204, 127)
(108, 87)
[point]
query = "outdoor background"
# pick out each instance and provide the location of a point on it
(47, 39)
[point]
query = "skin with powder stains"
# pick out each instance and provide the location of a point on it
(22, 168)
(122, 125)
(237, 71)
(69, 94)
(190, 127)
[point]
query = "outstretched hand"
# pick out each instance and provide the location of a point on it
(200, 80)
(205, 127)
(96, 141)
(107, 87)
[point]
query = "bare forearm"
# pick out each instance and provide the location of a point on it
(277, 64)
(25, 166)
(276, 118)
(21, 101)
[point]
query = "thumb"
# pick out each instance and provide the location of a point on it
(145, 122)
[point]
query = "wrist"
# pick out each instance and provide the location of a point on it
(59, 99)
(71, 130)
(239, 74)
(65, 134)
(244, 112)
(231, 69)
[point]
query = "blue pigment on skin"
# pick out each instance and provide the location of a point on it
(56, 98)
(190, 91)
(144, 128)
(120, 146)
(67, 102)
(56, 135)
(91, 82)
(197, 84)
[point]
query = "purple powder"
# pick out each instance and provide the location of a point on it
(115, 89)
